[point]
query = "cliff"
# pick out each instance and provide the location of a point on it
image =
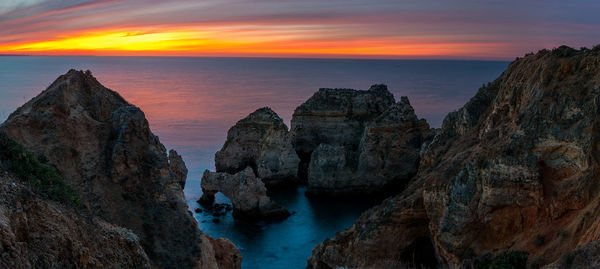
(515, 169)
(102, 146)
(41, 225)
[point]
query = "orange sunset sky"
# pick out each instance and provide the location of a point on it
(270, 28)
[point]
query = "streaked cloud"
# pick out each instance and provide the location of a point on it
(352, 28)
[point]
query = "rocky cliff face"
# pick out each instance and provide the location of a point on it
(357, 142)
(41, 225)
(515, 169)
(248, 194)
(103, 146)
(39, 233)
(260, 141)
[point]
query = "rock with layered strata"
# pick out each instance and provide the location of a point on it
(41, 225)
(336, 117)
(514, 169)
(261, 141)
(247, 193)
(102, 146)
(387, 157)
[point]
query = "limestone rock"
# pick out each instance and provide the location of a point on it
(388, 156)
(261, 141)
(248, 194)
(374, 151)
(337, 117)
(177, 167)
(40, 233)
(328, 169)
(103, 146)
(514, 169)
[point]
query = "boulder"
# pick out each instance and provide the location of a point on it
(103, 147)
(247, 193)
(260, 141)
(515, 169)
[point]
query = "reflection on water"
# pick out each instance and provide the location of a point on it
(288, 243)
(191, 102)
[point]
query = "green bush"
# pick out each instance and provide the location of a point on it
(506, 260)
(44, 179)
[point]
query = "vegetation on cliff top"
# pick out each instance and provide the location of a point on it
(44, 179)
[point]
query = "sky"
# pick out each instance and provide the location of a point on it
(391, 29)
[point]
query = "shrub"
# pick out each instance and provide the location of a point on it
(44, 179)
(539, 240)
(506, 260)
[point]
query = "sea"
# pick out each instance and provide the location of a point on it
(191, 102)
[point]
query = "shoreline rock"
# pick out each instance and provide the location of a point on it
(355, 143)
(260, 141)
(247, 193)
(513, 170)
(335, 116)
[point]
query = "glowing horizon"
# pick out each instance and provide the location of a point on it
(382, 29)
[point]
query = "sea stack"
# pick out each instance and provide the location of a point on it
(257, 154)
(357, 142)
(102, 146)
(512, 175)
(260, 141)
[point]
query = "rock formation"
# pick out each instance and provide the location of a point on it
(258, 153)
(39, 232)
(390, 147)
(103, 147)
(357, 142)
(516, 168)
(335, 116)
(248, 194)
(260, 141)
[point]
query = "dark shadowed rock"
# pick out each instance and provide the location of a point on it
(260, 141)
(247, 193)
(336, 117)
(103, 146)
(177, 167)
(357, 142)
(515, 169)
(386, 159)
(584, 256)
(40, 230)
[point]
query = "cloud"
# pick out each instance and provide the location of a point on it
(487, 28)
(11, 5)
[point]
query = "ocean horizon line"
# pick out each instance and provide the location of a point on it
(267, 57)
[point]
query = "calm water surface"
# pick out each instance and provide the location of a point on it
(191, 102)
